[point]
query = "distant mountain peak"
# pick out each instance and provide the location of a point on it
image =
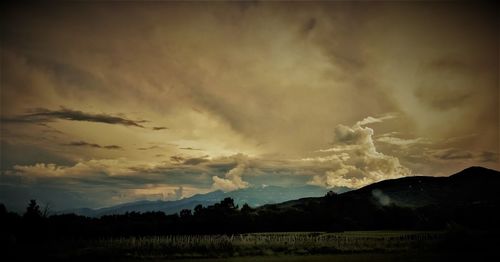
(253, 195)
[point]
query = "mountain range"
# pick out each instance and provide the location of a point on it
(470, 197)
(253, 196)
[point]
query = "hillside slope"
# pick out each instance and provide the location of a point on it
(470, 197)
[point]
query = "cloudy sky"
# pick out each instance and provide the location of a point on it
(104, 103)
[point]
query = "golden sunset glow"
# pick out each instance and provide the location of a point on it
(103, 103)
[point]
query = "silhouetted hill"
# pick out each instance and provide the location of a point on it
(470, 197)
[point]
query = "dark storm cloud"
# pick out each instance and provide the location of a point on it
(86, 144)
(82, 143)
(189, 161)
(190, 148)
(195, 161)
(177, 159)
(42, 115)
(76, 115)
(112, 147)
(45, 115)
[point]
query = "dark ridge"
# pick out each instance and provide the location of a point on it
(476, 171)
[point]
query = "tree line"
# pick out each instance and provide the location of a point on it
(327, 213)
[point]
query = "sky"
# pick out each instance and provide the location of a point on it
(110, 102)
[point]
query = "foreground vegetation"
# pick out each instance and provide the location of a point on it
(227, 233)
(287, 243)
(278, 244)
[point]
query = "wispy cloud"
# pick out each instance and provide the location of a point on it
(86, 144)
(189, 161)
(42, 115)
(189, 148)
(401, 141)
(371, 120)
(450, 154)
(195, 160)
(149, 148)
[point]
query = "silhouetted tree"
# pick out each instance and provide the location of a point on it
(185, 213)
(198, 210)
(331, 195)
(246, 209)
(33, 211)
(228, 204)
(3, 210)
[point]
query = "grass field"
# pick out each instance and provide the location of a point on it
(264, 244)
(354, 257)
(353, 246)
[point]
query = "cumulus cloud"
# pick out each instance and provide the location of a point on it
(233, 178)
(360, 163)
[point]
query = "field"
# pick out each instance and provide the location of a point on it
(275, 247)
(352, 257)
(259, 244)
